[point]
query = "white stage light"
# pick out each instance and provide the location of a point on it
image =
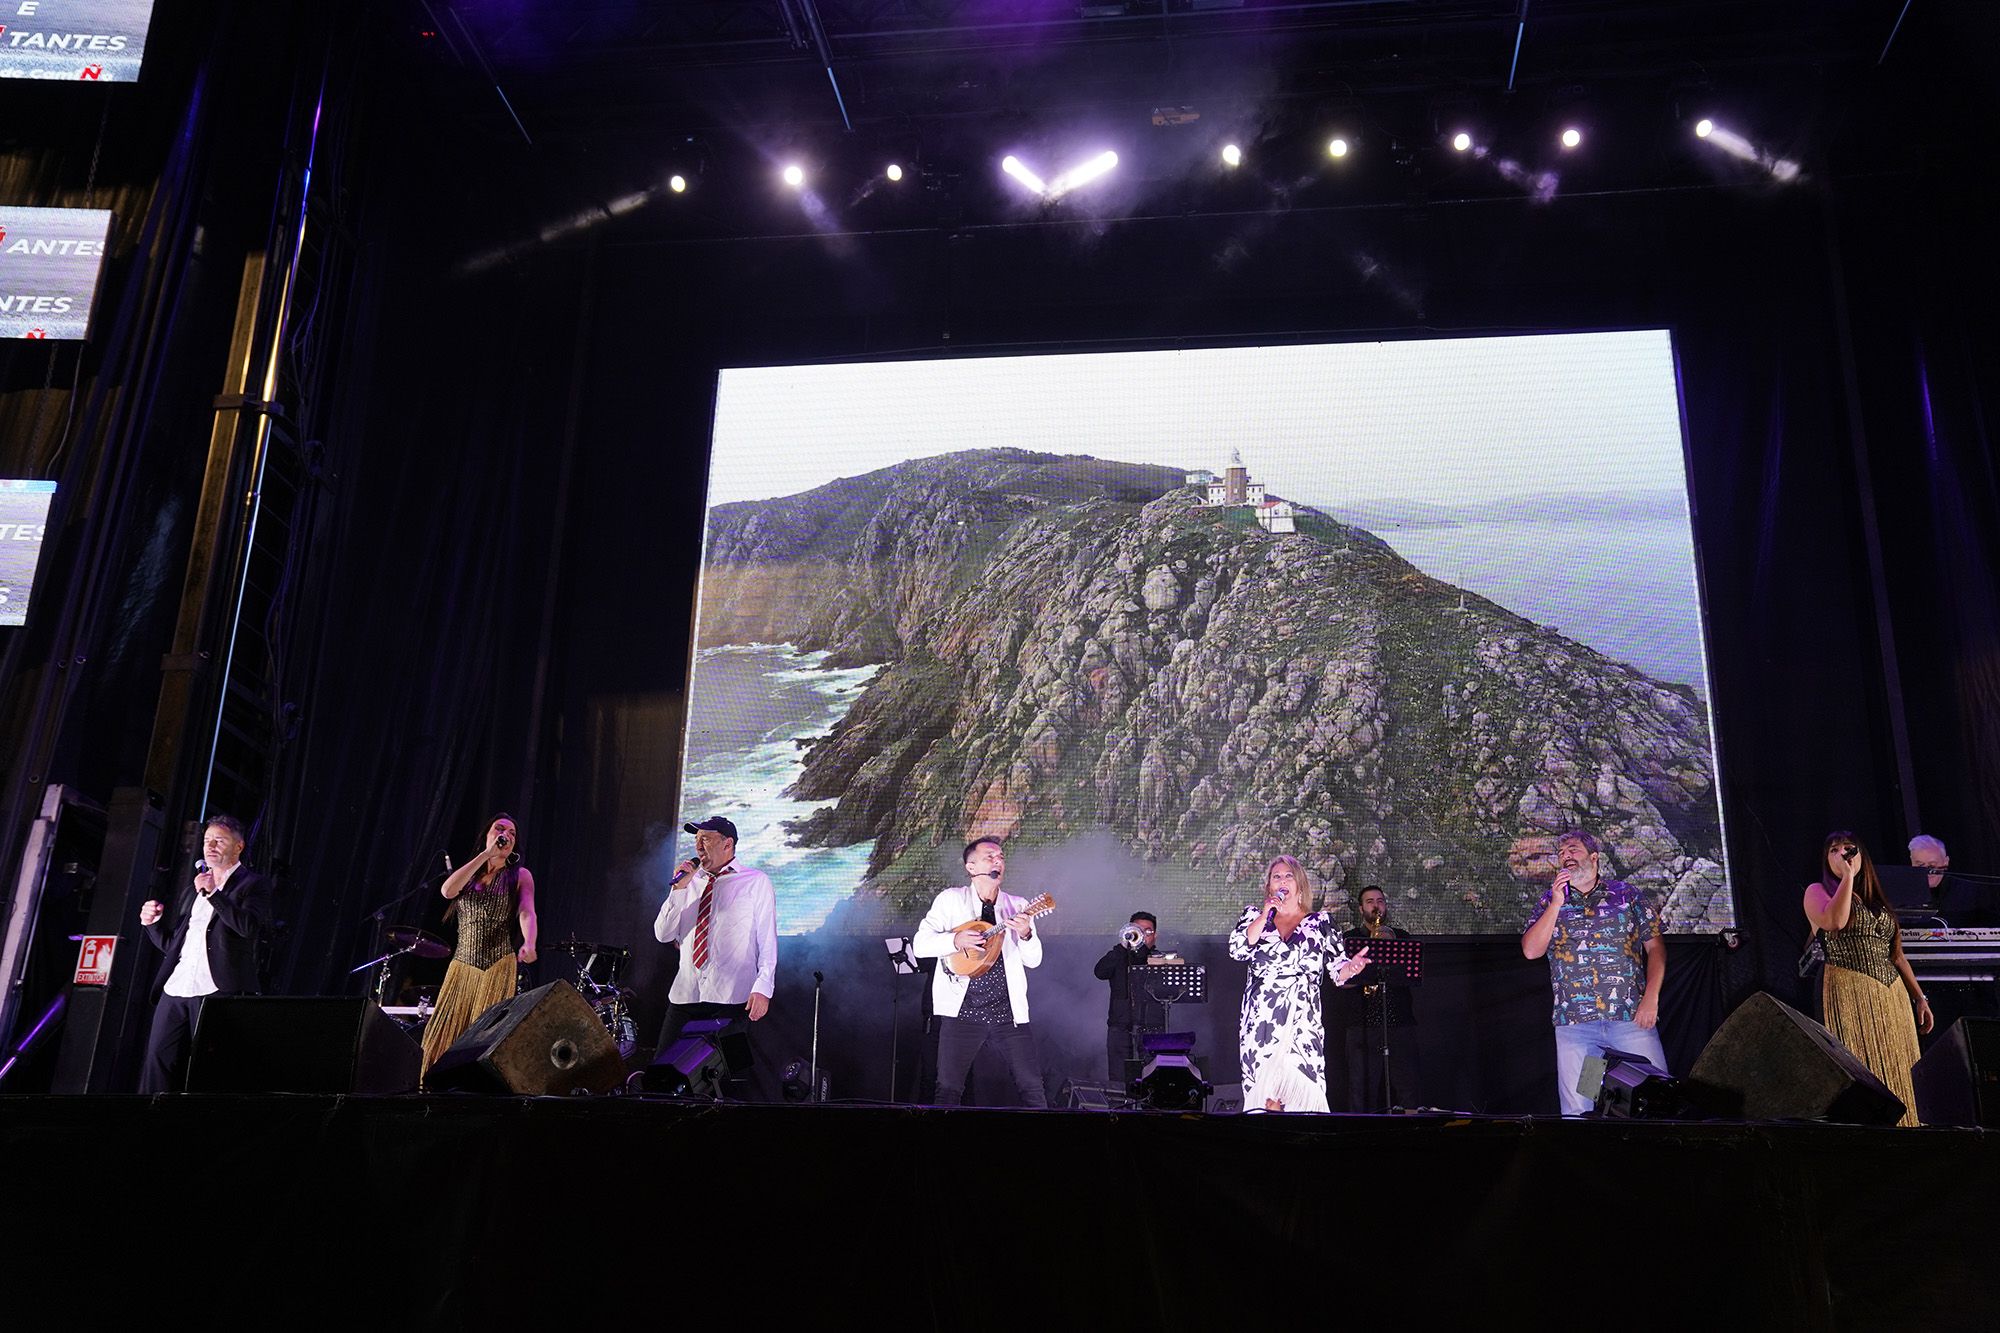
(1013, 167)
(1703, 128)
(1232, 156)
(895, 173)
(1082, 174)
(678, 184)
(1461, 141)
(1337, 148)
(795, 175)
(1572, 137)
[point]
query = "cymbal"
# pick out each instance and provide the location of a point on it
(580, 947)
(418, 942)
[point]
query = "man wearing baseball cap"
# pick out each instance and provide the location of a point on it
(724, 915)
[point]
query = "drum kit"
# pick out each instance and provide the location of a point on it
(405, 942)
(610, 1001)
(596, 980)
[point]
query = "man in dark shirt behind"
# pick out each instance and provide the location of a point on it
(1133, 1009)
(1360, 1013)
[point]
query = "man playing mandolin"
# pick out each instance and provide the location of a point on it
(976, 1002)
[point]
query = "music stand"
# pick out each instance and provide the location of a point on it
(902, 963)
(1169, 984)
(1391, 962)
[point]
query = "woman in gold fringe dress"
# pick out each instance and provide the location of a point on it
(493, 896)
(1866, 1007)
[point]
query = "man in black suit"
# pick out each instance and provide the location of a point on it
(210, 943)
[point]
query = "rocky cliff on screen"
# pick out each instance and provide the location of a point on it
(1073, 646)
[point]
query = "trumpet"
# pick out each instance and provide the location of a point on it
(1132, 936)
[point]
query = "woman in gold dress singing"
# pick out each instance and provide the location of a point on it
(493, 896)
(1865, 1008)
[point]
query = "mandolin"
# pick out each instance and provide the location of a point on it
(975, 962)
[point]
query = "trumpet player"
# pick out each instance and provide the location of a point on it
(1132, 1011)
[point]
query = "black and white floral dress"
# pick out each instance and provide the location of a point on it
(1283, 1034)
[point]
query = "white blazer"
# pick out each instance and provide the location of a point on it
(955, 907)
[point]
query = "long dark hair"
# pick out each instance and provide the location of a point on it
(1867, 884)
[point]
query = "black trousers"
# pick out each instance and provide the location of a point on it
(174, 1020)
(959, 1044)
(1118, 1048)
(1364, 1068)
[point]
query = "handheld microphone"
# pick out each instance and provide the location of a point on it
(447, 863)
(200, 866)
(1271, 919)
(687, 868)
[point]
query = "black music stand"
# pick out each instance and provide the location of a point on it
(1169, 984)
(902, 963)
(1391, 962)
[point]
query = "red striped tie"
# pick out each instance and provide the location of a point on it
(701, 919)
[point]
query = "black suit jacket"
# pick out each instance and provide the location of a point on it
(242, 910)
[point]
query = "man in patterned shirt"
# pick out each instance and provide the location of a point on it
(1607, 960)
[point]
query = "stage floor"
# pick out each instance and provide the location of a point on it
(450, 1212)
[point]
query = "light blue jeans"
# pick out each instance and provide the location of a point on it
(1577, 1041)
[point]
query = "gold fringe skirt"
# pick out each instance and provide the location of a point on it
(467, 993)
(1876, 1023)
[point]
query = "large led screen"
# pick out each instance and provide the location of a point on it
(50, 261)
(24, 526)
(1404, 610)
(83, 41)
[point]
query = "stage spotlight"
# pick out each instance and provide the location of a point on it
(795, 175)
(894, 173)
(1082, 174)
(1232, 156)
(1461, 141)
(1336, 148)
(1572, 137)
(1171, 1083)
(1013, 167)
(1631, 1087)
(797, 1084)
(1703, 128)
(677, 183)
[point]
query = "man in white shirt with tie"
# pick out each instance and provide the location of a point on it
(724, 915)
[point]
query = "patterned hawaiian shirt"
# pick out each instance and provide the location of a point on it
(1597, 956)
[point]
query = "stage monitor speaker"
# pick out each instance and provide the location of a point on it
(301, 1043)
(1958, 1080)
(1784, 1066)
(546, 1042)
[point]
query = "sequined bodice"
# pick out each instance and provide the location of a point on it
(1866, 944)
(486, 923)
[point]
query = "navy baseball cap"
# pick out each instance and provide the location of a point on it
(714, 824)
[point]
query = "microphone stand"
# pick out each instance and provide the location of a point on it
(819, 979)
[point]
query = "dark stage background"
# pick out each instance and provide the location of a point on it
(507, 548)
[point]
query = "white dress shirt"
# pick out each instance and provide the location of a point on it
(742, 936)
(955, 907)
(191, 976)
